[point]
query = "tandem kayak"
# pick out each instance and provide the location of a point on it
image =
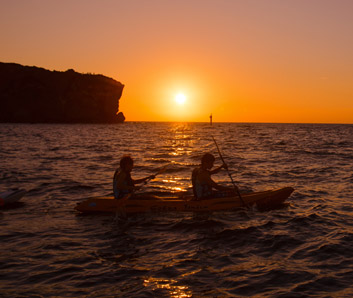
(11, 196)
(263, 200)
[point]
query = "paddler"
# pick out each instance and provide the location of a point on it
(123, 184)
(202, 183)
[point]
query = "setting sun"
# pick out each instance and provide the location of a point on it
(180, 98)
(182, 65)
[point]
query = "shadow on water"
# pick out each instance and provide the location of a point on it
(12, 206)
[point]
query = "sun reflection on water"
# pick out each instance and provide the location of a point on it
(175, 184)
(175, 291)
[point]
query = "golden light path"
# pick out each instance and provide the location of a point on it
(175, 290)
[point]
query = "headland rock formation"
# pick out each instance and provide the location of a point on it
(30, 94)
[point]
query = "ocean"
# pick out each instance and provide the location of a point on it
(303, 249)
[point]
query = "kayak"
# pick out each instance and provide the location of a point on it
(263, 200)
(11, 196)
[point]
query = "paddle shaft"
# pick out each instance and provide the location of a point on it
(230, 176)
(162, 170)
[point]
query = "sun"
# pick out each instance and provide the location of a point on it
(180, 98)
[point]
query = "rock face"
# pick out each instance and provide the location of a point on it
(36, 95)
(120, 117)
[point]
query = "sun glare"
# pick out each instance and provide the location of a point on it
(180, 98)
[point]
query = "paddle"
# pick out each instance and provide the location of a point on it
(160, 171)
(230, 176)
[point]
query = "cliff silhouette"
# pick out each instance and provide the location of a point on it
(31, 94)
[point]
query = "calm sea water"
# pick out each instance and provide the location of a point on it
(302, 250)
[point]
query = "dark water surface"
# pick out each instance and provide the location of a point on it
(302, 250)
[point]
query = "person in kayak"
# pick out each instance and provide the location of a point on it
(202, 184)
(123, 184)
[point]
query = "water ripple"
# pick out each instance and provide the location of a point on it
(301, 250)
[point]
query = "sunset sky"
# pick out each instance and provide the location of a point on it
(242, 61)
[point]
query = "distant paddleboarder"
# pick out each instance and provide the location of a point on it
(211, 119)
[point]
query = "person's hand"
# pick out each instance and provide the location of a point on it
(225, 166)
(152, 177)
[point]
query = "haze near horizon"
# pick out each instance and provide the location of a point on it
(242, 61)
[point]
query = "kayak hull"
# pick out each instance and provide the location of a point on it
(263, 200)
(11, 196)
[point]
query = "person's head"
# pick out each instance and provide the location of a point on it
(207, 160)
(126, 163)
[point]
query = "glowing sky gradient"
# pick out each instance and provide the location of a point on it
(242, 61)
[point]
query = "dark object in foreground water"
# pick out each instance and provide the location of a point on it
(11, 196)
(263, 200)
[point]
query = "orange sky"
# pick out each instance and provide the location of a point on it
(242, 61)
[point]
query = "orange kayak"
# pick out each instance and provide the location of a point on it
(263, 200)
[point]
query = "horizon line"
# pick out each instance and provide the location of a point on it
(166, 121)
(246, 122)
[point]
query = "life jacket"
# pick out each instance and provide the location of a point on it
(200, 188)
(120, 193)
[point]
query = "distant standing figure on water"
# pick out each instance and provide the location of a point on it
(123, 184)
(203, 184)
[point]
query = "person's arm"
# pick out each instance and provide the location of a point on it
(216, 170)
(213, 184)
(138, 181)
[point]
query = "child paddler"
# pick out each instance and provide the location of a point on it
(123, 184)
(202, 183)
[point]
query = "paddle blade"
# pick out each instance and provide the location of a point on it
(161, 170)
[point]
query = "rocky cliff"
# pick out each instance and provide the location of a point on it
(37, 95)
